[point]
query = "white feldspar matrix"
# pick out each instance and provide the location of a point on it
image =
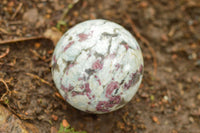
(97, 66)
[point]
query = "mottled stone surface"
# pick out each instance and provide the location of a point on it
(97, 66)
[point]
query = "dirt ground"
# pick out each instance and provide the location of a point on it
(168, 31)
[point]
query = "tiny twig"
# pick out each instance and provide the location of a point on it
(6, 53)
(22, 39)
(39, 56)
(37, 77)
(144, 40)
(22, 117)
(36, 54)
(70, 6)
(12, 63)
(17, 10)
(194, 5)
(5, 31)
(15, 22)
(59, 96)
(7, 89)
(47, 60)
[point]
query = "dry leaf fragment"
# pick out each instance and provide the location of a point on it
(65, 123)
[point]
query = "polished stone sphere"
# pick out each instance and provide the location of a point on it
(97, 66)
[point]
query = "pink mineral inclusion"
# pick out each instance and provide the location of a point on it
(80, 78)
(74, 93)
(128, 85)
(104, 106)
(83, 37)
(112, 56)
(54, 59)
(99, 81)
(97, 65)
(68, 45)
(89, 55)
(117, 66)
(115, 100)
(134, 79)
(125, 45)
(67, 89)
(87, 88)
(101, 106)
(141, 69)
(70, 66)
(111, 87)
(82, 87)
(86, 92)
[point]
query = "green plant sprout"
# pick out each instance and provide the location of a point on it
(68, 129)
